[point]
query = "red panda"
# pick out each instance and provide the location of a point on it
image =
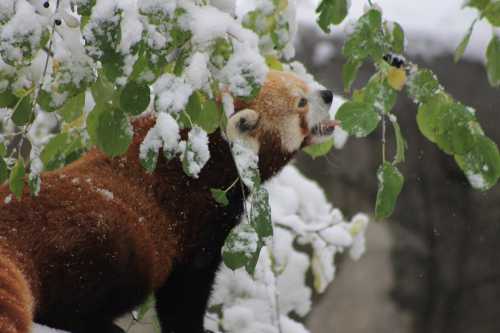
(103, 234)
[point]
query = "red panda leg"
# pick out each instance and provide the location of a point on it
(182, 301)
(16, 299)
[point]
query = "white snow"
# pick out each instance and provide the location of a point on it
(8, 199)
(476, 180)
(300, 213)
(164, 134)
(108, 195)
(247, 162)
(245, 65)
(196, 152)
(37, 328)
(172, 93)
(197, 73)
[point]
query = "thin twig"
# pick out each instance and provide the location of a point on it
(383, 137)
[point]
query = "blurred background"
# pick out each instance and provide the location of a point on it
(435, 266)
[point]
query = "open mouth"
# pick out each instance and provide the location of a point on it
(324, 128)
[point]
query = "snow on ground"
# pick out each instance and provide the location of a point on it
(44, 329)
(433, 27)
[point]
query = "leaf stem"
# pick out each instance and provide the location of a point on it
(384, 130)
(232, 185)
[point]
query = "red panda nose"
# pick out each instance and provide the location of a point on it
(327, 96)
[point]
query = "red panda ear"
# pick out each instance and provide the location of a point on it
(241, 124)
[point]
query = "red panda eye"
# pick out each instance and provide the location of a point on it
(302, 102)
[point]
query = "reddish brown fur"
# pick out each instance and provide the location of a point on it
(72, 255)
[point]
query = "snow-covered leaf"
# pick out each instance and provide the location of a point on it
(260, 213)
(481, 164)
(422, 85)
(367, 40)
(240, 246)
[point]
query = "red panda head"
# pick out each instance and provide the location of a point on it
(286, 116)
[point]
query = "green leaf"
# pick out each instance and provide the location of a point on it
(192, 110)
(390, 184)
(398, 39)
(149, 163)
(73, 108)
(479, 4)
(320, 149)
(93, 120)
(58, 151)
(400, 143)
(260, 215)
(274, 63)
(379, 94)
(45, 101)
(450, 125)
(209, 118)
(423, 85)
(459, 52)
(240, 246)
(349, 73)
(145, 307)
(201, 111)
(23, 112)
(102, 90)
(367, 39)
(16, 180)
(220, 196)
(358, 119)
(331, 12)
(3, 150)
(492, 13)
(456, 129)
(52, 155)
(4, 171)
(429, 115)
(252, 263)
(113, 133)
(85, 7)
(481, 165)
(493, 61)
(135, 98)
(7, 99)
